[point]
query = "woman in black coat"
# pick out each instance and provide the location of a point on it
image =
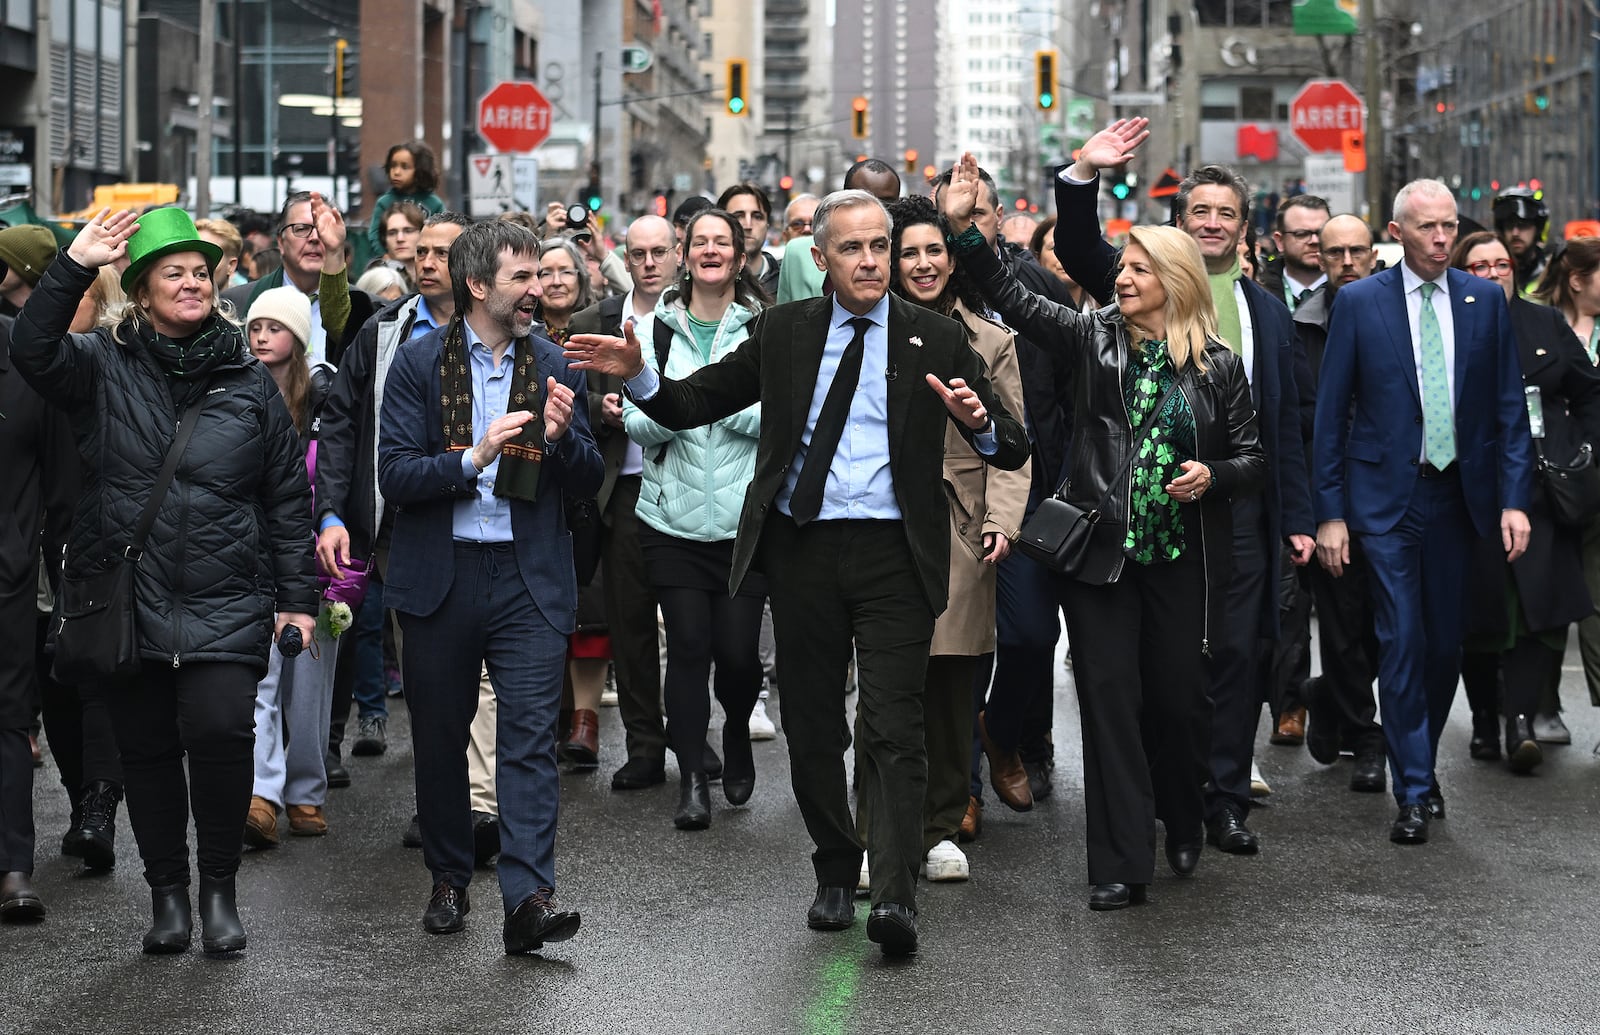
(1140, 614)
(1519, 612)
(228, 563)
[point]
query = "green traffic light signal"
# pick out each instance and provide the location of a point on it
(1047, 100)
(1543, 101)
(594, 203)
(736, 105)
(1120, 190)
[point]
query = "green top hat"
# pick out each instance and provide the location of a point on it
(163, 231)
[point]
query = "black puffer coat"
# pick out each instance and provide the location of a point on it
(232, 540)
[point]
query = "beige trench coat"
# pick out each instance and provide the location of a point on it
(983, 499)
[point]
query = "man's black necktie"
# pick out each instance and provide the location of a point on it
(806, 503)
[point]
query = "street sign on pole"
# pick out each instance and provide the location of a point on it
(1322, 112)
(1327, 179)
(636, 58)
(491, 185)
(514, 117)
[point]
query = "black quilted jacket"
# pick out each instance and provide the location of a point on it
(232, 541)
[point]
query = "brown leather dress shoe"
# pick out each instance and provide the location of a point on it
(1291, 729)
(582, 746)
(1007, 775)
(972, 822)
(307, 821)
(261, 824)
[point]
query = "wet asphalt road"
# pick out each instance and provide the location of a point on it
(1493, 926)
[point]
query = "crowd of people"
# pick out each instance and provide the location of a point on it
(516, 466)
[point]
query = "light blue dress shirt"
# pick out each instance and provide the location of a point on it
(486, 518)
(424, 321)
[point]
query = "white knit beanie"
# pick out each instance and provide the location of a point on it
(288, 306)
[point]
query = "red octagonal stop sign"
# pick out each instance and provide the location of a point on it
(514, 116)
(1322, 112)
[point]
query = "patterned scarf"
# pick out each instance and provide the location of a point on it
(189, 362)
(520, 458)
(1229, 327)
(1155, 526)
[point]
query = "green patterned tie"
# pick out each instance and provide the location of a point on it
(1438, 431)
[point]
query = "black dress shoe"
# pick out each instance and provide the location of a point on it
(485, 838)
(1369, 776)
(338, 775)
(1103, 897)
(894, 928)
(19, 903)
(221, 931)
(1485, 745)
(1184, 856)
(1523, 753)
(710, 764)
(694, 802)
(1228, 832)
(1038, 779)
(1410, 826)
(833, 909)
(1322, 724)
(1434, 803)
(537, 920)
(739, 771)
(171, 921)
(93, 838)
(639, 773)
(447, 910)
(412, 838)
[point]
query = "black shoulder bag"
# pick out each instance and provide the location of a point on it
(1061, 535)
(95, 635)
(1572, 490)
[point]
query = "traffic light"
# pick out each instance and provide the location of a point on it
(660, 205)
(737, 86)
(1537, 102)
(786, 182)
(1120, 183)
(1044, 78)
(591, 196)
(911, 160)
(858, 118)
(341, 69)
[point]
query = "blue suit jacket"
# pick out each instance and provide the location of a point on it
(1368, 432)
(424, 482)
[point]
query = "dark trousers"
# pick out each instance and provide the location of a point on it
(833, 583)
(1291, 655)
(16, 716)
(631, 617)
(77, 724)
(1529, 669)
(1348, 645)
(488, 620)
(1027, 628)
(1419, 572)
(1236, 674)
(705, 627)
(205, 710)
(947, 731)
(1142, 696)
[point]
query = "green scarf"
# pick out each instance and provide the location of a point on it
(520, 458)
(189, 362)
(1228, 326)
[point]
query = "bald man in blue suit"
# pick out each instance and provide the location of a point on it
(1421, 444)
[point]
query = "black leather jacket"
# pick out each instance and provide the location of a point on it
(1094, 348)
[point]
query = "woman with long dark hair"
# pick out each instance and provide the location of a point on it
(689, 501)
(1152, 369)
(228, 565)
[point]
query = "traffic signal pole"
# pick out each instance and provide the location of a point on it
(594, 168)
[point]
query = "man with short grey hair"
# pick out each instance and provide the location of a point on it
(1421, 446)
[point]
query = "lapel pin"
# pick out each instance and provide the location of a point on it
(916, 341)
(1538, 352)
(1469, 299)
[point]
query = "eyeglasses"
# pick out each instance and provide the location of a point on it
(1483, 269)
(638, 255)
(799, 224)
(1355, 252)
(300, 230)
(558, 274)
(1302, 235)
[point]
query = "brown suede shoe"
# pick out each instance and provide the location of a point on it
(972, 822)
(261, 824)
(582, 748)
(1291, 729)
(1006, 773)
(307, 821)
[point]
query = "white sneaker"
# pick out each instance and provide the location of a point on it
(761, 727)
(864, 881)
(1258, 783)
(946, 862)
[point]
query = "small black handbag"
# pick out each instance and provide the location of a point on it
(1572, 490)
(95, 635)
(1062, 535)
